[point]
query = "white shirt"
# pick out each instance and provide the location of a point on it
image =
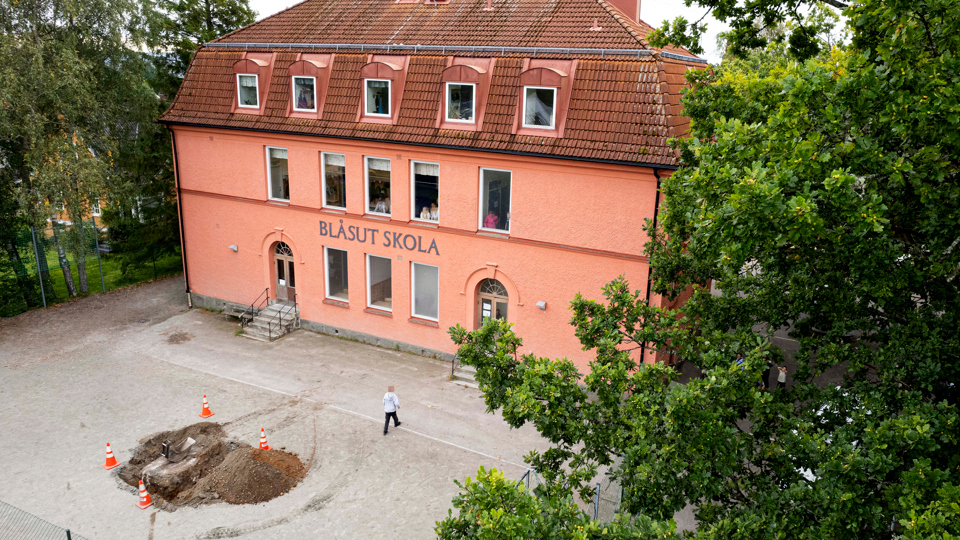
(390, 402)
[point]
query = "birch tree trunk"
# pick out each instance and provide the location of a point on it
(64, 263)
(80, 255)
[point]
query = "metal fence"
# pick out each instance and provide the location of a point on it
(36, 265)
(608, 494)
(15, 524)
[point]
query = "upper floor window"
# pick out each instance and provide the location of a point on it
(95, 207)
(305, 94)
(248, 91)
(460, 100)
(539, 107)
(426, 191)
(378, 185)
(377, 97)
(495, 188)
(278, 177)
(334, 181)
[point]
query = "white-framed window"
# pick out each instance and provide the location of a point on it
(425, 191)
(379, 283)
(334, 180)
(376, 97)
(95, 207)
(278, 177)
(460, 102)
(425, 291)
(539, 109)
(377, 173)
(495, 190)
(335, 274)
(248, 91)
(304, 94)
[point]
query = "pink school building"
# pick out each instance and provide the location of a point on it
(393, 168)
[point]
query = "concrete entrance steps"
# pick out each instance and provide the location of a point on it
(267, 326)
(466, 375)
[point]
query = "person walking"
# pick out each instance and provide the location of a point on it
(390, 405)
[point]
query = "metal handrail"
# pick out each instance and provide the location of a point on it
(254, 308)
(279, 319)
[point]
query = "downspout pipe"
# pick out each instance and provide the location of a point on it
(656, 212)
(183, 240)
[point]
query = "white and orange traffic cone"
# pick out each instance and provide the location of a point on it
(205, 413)
(144, 497)
(111, 461)
(263, 441)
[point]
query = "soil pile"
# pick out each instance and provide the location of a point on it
(206, 467)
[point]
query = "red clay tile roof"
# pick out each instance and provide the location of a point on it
(623, 107)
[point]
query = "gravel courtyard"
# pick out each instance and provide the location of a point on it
(118, 367)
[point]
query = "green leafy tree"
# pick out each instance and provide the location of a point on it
(820, 197)
(181, 26)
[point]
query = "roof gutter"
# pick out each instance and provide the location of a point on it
(444, 49)
(655, 166)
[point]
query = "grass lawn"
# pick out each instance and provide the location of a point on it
(112, 277)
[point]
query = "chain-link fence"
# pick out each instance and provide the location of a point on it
(15, 524)
(608, 494)
(39, 267)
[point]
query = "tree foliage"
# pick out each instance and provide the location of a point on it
(820, 197)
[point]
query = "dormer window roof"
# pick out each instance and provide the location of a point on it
(309, 81)
(252, 79)
(466, 85)
(545, 88)
(382, 80)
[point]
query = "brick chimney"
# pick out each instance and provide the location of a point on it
(630, 8)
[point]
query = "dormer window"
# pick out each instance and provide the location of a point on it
(539, 107)
(248, 91)
(304, 94)
(460, 102)
(377, 97)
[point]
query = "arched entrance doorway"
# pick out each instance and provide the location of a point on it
(492, 301)
(286, 276)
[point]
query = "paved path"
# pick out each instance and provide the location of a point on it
(121, 366)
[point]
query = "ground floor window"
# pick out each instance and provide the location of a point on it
(336, 274)
(495, 200)
(426, 190)
(379, 283)
(426, 291)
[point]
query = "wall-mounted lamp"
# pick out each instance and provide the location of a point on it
(232, 247)
(542, 305)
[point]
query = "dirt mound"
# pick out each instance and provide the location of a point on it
(248, 476)
(205, 467)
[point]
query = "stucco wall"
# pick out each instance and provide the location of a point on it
(575, 226)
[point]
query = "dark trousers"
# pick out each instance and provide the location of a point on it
(386, 420)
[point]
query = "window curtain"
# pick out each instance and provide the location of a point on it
(426, 169)
(337, 160)
(378, 164)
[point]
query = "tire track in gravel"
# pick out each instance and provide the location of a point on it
(315, 503)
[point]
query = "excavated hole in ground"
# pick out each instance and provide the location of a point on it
(208, 467)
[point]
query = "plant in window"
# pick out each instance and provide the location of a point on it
(247, 91)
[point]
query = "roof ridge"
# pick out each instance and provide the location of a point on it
(620, 16)
(255, 23)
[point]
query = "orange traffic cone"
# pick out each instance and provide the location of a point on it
(111, 461)
(263, 441)
(144, 497)
(205, 413)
